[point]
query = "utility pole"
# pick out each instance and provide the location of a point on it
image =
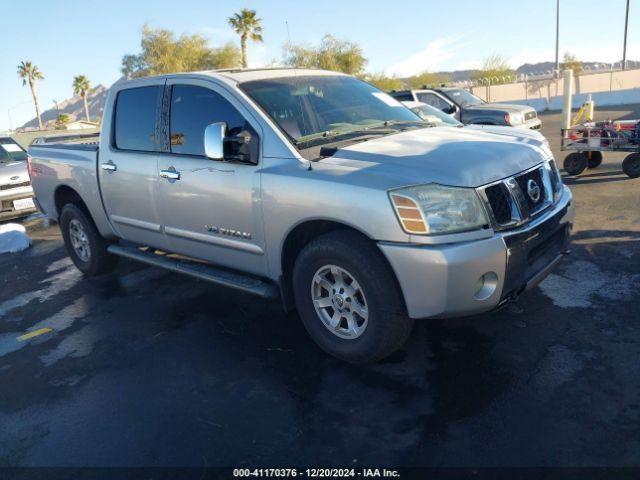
(624, 48)
(558, 37)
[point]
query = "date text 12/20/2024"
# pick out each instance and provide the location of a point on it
(316, 472)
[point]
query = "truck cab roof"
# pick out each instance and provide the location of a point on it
(240, 75)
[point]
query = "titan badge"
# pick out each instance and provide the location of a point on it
(229, 232)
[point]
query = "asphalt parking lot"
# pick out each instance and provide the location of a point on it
(148, 368)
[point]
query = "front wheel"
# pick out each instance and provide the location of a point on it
(348, 298)
(631, 165)
(575, 163)
(84, 244)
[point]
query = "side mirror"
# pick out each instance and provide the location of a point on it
(450, 110)
(214, 136)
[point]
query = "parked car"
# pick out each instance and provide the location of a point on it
(311, 187)
(468, 108)
(439, 118)
(16, 195)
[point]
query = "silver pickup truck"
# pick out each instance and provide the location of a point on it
(314, 188)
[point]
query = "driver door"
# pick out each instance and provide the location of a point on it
(211, 209)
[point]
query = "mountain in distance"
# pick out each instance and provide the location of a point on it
(74, 108)
(535, 69)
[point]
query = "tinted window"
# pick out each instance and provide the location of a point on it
(192, 109)
(135, 119)
(433, 100)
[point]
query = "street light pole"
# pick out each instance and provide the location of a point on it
(624, 48)
(558, 37)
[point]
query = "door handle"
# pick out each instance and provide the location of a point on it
(170, 174)
(109, 167)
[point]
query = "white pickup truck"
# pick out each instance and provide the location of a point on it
(312, 187)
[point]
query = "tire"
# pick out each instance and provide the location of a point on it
(631, 165)
(594, 159)
(386, 326)
(575, 163)
(89, 254)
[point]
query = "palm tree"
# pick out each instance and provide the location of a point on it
(82, 88)
(29, 73)
(247, 25)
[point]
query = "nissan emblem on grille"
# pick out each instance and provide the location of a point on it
(533, 190)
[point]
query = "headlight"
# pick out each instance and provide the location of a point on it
(514, 118)
(556, 180)
(435, 209)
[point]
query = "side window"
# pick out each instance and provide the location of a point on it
(135, 119)
(433, 100)
(192, 109)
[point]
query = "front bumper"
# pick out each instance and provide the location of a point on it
(533, 124)
(445, 280)
(7, 197)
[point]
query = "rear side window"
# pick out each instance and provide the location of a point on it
(135, 119)
(192, 109)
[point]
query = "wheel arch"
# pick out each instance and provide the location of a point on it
(65, 194)
(300, 236)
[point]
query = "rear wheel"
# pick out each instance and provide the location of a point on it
(348, 298)
(595, 159)
(631, 165)
(575, 163)
(85, 245)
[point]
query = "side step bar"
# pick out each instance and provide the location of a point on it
(202, 271)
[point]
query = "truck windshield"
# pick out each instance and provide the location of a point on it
(317, 108)
(462, 97)
(11, 152)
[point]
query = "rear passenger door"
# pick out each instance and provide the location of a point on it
(128, 165)
(211, 209)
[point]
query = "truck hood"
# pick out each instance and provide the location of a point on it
(509, 131)
(13, 173)
(446, 155)
(499, 107)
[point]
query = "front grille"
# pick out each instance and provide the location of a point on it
(533, 179)
(530, 115)
(14, 185)
(515, 200)
(500, 202)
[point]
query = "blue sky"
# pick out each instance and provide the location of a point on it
(67, 37)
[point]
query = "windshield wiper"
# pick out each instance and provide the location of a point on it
(383, 128)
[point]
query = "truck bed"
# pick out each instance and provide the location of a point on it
(74, 140)
(67, 162)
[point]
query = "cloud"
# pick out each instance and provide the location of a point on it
(257, 55)
(431, 57)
